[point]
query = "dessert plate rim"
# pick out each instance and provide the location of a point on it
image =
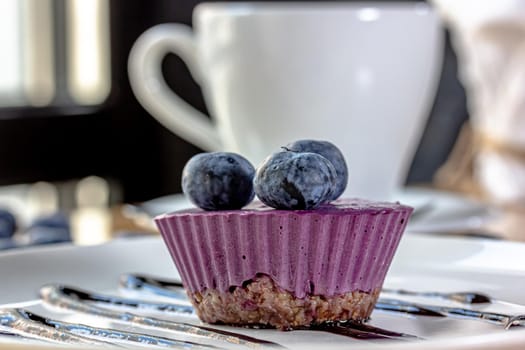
(441, 211)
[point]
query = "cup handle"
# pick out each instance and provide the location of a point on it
(151, 90)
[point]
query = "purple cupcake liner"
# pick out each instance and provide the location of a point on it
(328, 251)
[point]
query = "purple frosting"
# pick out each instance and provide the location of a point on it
(344, 246)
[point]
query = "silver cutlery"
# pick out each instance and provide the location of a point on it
(507, 321)
(72, 297)
(460, 297)
(17, 322)
(69, 299)
(31, 325)
(23, 323)
(173, 288)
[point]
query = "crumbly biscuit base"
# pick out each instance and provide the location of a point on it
(260, 302)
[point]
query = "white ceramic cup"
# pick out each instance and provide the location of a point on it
(362, 76)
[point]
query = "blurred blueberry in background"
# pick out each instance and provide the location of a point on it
(7, 224)
(7, 243)
(54, 228)
(58, 220)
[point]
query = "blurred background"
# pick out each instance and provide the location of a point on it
(67, 110)
(72, 132)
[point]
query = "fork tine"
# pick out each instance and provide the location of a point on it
(108, 334)
(517, 320)
(15, 321)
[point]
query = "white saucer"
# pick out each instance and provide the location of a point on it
(166, 204)
(435, 211)
(440, 211)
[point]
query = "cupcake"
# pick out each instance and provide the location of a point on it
(261, 266)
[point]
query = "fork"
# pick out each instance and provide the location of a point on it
(507, 321)
(460, 297)
(173, 289)
(73, 299)
(70, 299)
(23, 323)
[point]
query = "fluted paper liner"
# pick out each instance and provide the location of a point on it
(329, 251)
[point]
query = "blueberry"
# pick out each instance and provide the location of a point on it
(7, 223)
(292, 180)
(52, 228)
(330, 152)
(218, 181)
(46, 235)
(55, 220)
(7, 243)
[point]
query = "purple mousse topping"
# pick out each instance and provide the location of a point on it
(344, 246)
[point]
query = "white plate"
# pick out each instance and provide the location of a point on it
(421, 263)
